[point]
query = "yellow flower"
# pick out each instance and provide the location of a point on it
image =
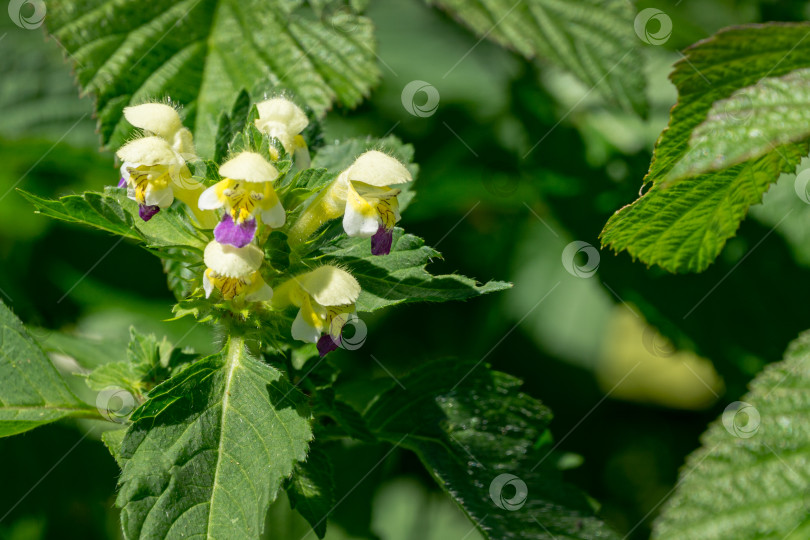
(326, 300)
(284, 120)
(246, 192)
(235, 272)
(363, 196)
(154, 167)
(163, 121)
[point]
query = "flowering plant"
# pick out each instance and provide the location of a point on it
(280, 246)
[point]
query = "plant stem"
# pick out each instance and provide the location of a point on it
(236, 345)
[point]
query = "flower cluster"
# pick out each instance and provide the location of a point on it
(243, 208)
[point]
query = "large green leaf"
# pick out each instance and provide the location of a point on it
(593, 39)
(201, 53)
(751, 479)
(751, 123)
(209, 450)
(684, 227)
(470, 425)
(93, 209)
(401, 276)
(113, 212)
(32, 392)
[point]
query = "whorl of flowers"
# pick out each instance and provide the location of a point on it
(244, 203)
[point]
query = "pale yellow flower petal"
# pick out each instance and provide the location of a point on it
(149, 151)
(232, 262)
(157, 118)
(330, 286)
(282, 110)
(249, 167)
(378, 169)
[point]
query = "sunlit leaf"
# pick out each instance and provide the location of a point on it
(209, 450)
(684, 227)
(753, 121)
(202, 53)
(749, 480)
(113, 212)
(401, 276)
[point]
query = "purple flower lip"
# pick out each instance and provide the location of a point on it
(147, 212)
(237, 235)
(327, 344)
(122, 183)
(381, 241)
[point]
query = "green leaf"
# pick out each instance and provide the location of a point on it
(32, 392)
(277, 251)
(401, 276)
(93, 209)
(231, 124)
(143, 349)
(684, 227)
(470, 425)
(113, 440)
(168, 228)
(312, 489)
(202, 53)
(593, 39)
(304, 184)
(148, 363)
(337, 157)
(751, 123)
(209, 450)
(749, 480)
(120, 374)
(348, 420)
(113, 212)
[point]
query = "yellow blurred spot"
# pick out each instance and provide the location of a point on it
(639, 364)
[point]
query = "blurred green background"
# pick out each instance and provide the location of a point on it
(628, 400)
